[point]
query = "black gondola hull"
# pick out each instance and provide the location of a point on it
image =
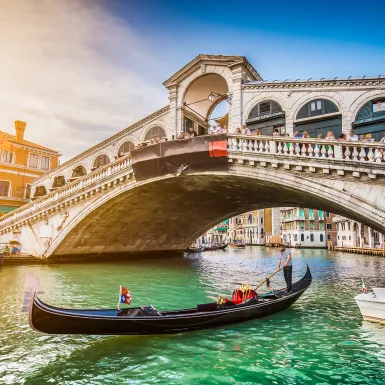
(48, 319)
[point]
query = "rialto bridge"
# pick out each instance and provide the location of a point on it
(94, 204)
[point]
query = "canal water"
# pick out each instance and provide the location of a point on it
(320, 340)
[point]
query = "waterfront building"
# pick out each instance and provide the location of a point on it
(302, 227)
(248, 228)
(217, 234)
(21, 162)
(351, 233)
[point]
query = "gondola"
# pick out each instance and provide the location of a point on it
(147, 320)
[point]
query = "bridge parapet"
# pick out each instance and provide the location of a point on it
(314, 149)
(83, 187)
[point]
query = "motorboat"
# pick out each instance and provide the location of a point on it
(372, 305)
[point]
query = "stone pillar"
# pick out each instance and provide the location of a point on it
(235, 110)
(173, 115)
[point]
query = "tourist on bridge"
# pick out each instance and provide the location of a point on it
(351, 137)
(192, 132)
(284, 262)
(245, 130)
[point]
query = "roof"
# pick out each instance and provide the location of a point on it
(350, 78)
(12, 139)
(221, 60)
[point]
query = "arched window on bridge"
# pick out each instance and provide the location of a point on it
(78, 171)
(101, 160)
(39, 192)
(58, 181)
(155, 133)
(266, 116)
(126, 148)
(370, 119)
(317, 117)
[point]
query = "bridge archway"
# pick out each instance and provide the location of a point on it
(171, 212)
(199, 100)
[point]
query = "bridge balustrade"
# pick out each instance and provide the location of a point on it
(308, 148)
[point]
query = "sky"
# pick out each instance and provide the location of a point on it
(78, 71)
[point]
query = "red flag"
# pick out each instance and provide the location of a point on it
(125, 295)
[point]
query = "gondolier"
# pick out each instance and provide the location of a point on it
(285, 263)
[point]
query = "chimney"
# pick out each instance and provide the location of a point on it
(20, 128)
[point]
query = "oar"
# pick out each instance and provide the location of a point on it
(267, 279)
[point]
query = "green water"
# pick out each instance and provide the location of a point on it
(320, 340)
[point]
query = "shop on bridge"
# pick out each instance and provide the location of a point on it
(370, 119)
(266, 117)
(317, 117)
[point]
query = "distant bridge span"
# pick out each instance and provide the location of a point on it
(108, 211)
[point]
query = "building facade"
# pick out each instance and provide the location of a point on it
(21, 162)
(354, 234)
(302, 227)
(248, 228)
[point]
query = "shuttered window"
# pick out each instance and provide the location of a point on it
(4, 188)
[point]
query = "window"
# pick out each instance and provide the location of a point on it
(343, 226)
(155, 133)
(327, 214)
(6, 156)
(311, 237)
(329, 236)
(126, 148)
(379, 106)
(314, 106)
(33, 160)
(78, 171)
(317, 108)
(295, 237)
(302, 237)
(321, 237)
(350, 238)
(311, 225)
(302, 225)
(328, 226)
(264, 109)
(101, 161)
(321, 226)
(320, 213)
(4, 188)
(311, 214)
(58, 181)
(349, 226)
(45, 163)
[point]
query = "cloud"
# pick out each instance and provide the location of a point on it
(74, 72)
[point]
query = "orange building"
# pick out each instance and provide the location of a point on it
(21, 162)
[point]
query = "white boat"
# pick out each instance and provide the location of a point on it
(372, 305)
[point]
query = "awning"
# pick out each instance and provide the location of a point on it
(221, 229)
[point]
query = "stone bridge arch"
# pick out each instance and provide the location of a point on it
(168, 213)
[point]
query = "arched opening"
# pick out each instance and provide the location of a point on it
(126, 148)
(39, 192)
(100, 161)
(219, 115)
(267, 117)
(370, 119)
(78, 172)
(201, 100)
(318, 117)
(58, 181)
(155, 133)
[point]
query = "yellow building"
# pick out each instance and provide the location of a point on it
(21, 162)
